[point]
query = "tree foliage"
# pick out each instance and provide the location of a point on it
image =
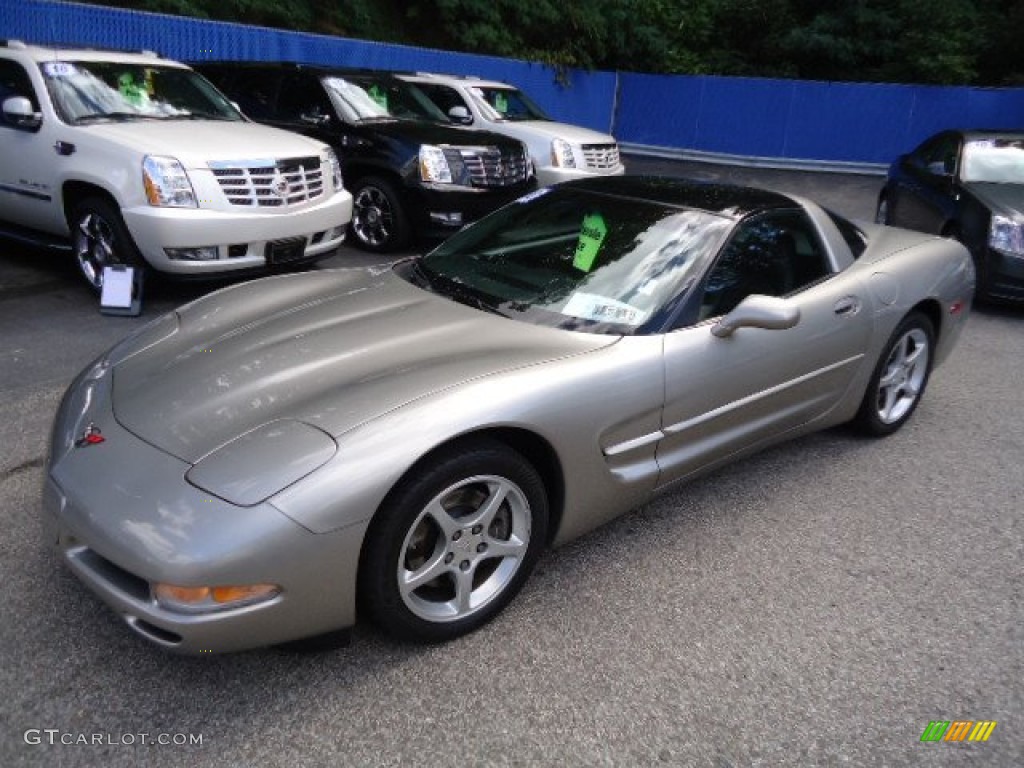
(922, 41)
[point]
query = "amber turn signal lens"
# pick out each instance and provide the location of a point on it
(186, 595)
(247, 592)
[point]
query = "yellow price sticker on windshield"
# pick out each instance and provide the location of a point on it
(592, 235)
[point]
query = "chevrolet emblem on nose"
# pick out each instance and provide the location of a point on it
(91, 436)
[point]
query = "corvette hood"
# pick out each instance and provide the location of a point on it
(1007, 199)
(331, 349)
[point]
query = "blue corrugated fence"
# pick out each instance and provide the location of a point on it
(857, 124)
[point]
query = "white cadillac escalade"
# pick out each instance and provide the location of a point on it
(560, 151)
(129, 158)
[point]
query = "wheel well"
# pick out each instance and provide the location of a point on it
(931, 309)
(357, 173)
(536, 450)
(74, 192)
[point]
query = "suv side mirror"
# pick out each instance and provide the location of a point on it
(460, 115)
(19, 113)
(757, 311)
(316, 118)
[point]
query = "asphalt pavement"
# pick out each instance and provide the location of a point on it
(816, 605)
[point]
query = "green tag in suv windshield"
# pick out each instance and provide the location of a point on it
(592, 235)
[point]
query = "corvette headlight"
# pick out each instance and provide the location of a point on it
(561, 154)
(166, 183)
(1006, 235)
(335, 166)
(252, 468)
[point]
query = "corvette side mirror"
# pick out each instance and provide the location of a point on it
(756, 311)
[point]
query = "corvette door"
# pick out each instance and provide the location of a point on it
(724, 395)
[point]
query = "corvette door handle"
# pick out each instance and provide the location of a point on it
(847, 306)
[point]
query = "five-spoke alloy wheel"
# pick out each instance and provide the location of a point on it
(899, 378)
(454, 542)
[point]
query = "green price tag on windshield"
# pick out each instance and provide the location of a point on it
(592, 235)
(500, 102)
(379, 95)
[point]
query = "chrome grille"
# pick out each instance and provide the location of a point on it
(270, 183)
(491, 167)
(601, 157)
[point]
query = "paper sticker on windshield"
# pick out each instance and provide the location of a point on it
(500, 102)
(378, 94)
(592, 235)
(600, 309)
(58, 69)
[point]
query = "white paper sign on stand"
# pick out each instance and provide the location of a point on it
(122, 291)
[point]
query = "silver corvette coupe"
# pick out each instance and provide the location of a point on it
(259, 465)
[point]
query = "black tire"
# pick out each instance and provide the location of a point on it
(379, 221)
(900, 377)
(472, 555)
(99, 239)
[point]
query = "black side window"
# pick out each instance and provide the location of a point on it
(939, 157)
(14, 81)
(303, 100)
(774, 255)
(855, 239)
(251, 89)
(442, 95)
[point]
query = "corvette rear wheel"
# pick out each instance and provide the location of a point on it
(900, 377)
(454, 543)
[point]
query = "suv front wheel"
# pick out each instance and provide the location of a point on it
(379, 222)
(101, 239)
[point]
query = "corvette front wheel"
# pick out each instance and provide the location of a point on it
(454, 542)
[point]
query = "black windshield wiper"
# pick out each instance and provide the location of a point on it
(114, 116)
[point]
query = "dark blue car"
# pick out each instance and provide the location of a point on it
(968, 185)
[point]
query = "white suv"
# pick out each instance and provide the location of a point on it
(135, 159)
(560, 152)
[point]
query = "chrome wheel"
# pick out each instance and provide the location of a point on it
(464, 548)
(903, 379)
(372, 217)
(100, 239)
(94, 243)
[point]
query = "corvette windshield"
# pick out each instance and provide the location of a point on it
(105, 91)
(577, 260)
(999, 160)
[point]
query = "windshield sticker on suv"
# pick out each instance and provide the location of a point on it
(378, 94)
(592, 234)
(58, 69)
(601, 309)
(500, 102)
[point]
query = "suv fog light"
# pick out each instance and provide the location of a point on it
(453, 219)
(205, 253)
(206, 599)
(336, 233)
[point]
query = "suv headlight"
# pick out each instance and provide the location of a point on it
(335, 165)
(1006, 235)
(561, 154)
(166, 183)
(434, 165)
